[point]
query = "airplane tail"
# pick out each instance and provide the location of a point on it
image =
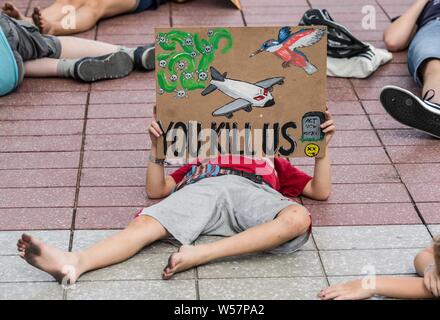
(216, 75)
(310, 68)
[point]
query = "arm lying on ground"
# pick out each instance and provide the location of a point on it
(402, 288)
(398, 35)
(319, 188)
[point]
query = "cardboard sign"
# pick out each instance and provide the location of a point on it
(255, 91)
(237, 3)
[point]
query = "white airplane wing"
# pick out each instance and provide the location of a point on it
(269, 83)
(231, 107)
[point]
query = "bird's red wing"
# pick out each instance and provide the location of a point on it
(305, 38)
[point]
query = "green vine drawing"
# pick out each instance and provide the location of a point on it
(184, 65)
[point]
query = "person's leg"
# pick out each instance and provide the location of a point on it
(76, 48)
(45, 67)
(290, 223)
(141, 232)
(431, 79)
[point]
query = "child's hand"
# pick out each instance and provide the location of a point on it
(432, 280)
(328, 127)
(155, 132)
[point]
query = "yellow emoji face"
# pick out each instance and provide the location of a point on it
(311, 150)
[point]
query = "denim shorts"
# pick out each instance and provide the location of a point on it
(425, 45)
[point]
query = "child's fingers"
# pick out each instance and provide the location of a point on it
(156, 126)
(327, 123)
(154, 132)
(328, 115)
(329, 129)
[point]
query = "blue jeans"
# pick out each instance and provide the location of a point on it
(425, 45)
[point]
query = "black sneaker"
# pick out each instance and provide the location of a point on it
(110, 66)
(144, 57)
(341, 43)
(412, 111)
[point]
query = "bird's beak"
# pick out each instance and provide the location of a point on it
(255, 53)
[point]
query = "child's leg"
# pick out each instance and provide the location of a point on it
(393, 287)
(76, 48)
(45, 67)
(431, 79)
(290, 223)
(140, 232)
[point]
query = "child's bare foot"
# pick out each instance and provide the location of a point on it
(185, 258)
(61, 265)
(352, 290)
(12, 11)
(42, 23)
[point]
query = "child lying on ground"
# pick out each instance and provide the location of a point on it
(427, 264)
(25, 52)
(254, 210)
(87, 13)
(418, 29)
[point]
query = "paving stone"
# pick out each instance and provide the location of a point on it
(414, 173)
(429, 211)
(43, 98)
(366, 193)
(40, 143)
(113, 177)
(57, 238)
(341, 94)
(41, 112)
(373, 107)
(120, 111)
(143, 266)
(414, 154)
(350, 138)
(38, 178)
(104, 217)
(37, 197)
(15, 269)
(363, 214)
(360, 262)
(31, 291)
(118, 126)
(34, 160)
(371, 237)
(52, 85)
(133, 96)
(112, 196)
(115, 159)
(118, 142)
(345, 107)
(299, 288)
(85, 238)
(35, 218)
(359, 155)
(424, 192)
(364, 174)
(134, 290)
(352, 122)
(135, 81)
(435, 229)
(385, 121)
(301, 263)
(309, 246)
(406, 137)
(41, 128)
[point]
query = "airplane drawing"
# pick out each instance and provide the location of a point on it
(287, 45)
(246, 95)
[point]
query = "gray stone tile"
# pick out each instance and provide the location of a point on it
(85, 238)
(15, 269)
(297, 288)
(310, 245)
(57, 238)
(360, 262)
(31, 291)
(141, 267)
(301, 263)
(435, 229)
(371, 237)
(133, 290)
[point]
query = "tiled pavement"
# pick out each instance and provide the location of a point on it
(73, 158)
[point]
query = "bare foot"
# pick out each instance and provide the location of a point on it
(41, 22)
(61, 265)
(185, 258)
(352, 290)
(12, 11)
